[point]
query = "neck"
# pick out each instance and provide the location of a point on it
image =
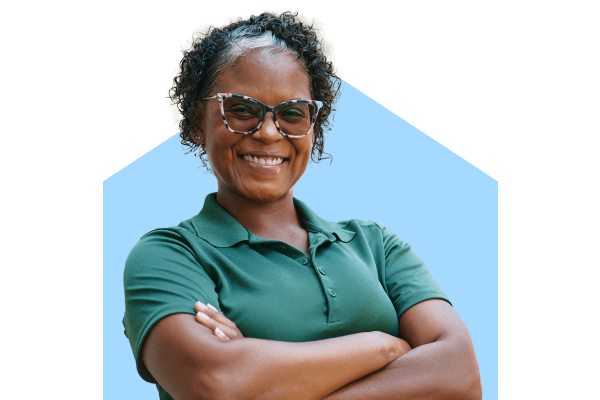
(263, 218)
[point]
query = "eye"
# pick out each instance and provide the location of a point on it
(293, 113)
(241, 111)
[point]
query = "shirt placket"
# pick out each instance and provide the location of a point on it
(328, 285)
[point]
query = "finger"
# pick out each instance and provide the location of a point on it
(221, 335)
(206, 320)
(220, 317)
(231, 333)
(217, 315)
(212, 324)
(210, 311)
(199, 306)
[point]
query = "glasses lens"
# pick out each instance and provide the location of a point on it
(243, 115)
(295, 119)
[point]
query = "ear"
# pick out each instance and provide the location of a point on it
(198, 136)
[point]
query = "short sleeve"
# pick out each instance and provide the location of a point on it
(162, 277)
(407, 280)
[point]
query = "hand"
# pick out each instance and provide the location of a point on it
(217, 322)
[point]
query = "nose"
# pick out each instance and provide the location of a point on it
(268, 132)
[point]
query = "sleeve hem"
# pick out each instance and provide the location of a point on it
(401, 305)
(159, 315)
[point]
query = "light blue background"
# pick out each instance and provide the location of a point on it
(384, 170)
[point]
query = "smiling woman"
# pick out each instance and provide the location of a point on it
(258, 297)
(271, 77)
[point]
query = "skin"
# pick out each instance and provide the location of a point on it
(259, 198)
(441, 366)
(206, 356)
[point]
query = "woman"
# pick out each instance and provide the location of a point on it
(258, 297)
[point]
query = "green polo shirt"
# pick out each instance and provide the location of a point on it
(359, 277)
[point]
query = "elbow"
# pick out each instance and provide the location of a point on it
(468, 384)
(463, 380)
(469, 390)
(473, 389)
(464, 387)
(467, 379)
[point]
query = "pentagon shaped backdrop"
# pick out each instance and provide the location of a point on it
(384, 170)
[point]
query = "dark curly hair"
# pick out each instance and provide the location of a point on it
(211, 53)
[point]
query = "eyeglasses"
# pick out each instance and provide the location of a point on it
(245, 115)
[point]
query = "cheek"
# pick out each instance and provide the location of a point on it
(220, 145)
(218, 150)
(303, 153)
(215, 139)
(308, 145)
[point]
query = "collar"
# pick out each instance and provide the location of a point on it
(220, 229)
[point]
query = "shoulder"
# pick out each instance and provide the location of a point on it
(183, 229)
(181, 233)
(161, 244)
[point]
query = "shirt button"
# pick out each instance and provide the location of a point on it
(304, 261)
(282, 249)
(332, 292)
(321, 271)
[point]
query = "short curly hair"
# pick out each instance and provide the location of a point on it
(216, 50)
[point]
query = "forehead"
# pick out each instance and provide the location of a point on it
(271, 77)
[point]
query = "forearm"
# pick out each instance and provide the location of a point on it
(443, 369)
(261, 369)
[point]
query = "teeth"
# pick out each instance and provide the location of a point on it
(263, 160)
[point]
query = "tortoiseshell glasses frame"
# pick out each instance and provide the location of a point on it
(221, 96)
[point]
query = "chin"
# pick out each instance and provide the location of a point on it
(267, 197)
(264, 195)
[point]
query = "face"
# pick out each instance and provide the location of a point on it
(271, 78)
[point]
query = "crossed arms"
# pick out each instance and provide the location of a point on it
(190, 362)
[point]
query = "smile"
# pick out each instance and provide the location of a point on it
(264, 165)
(267, 161)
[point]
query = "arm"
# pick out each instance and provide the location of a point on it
(442, 364)
(190, 362)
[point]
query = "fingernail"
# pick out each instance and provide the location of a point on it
(211, 307)
(203, 316)
(220, 333)
(201, 305)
